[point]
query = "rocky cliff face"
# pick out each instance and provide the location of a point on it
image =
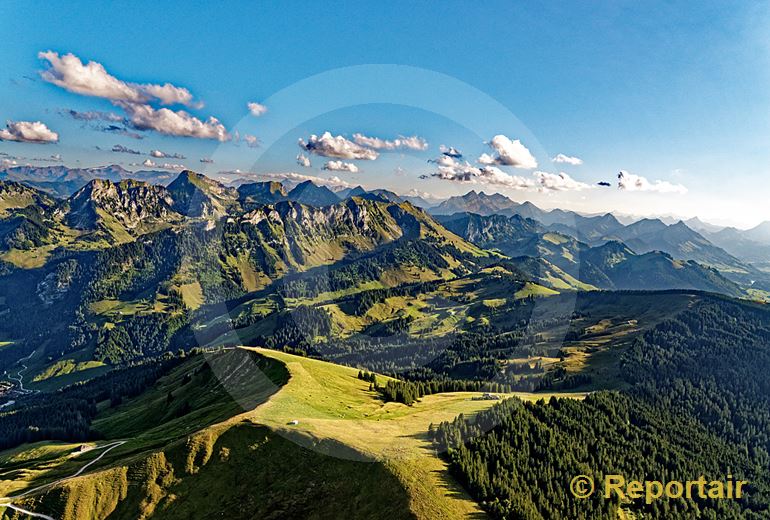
(132, 205)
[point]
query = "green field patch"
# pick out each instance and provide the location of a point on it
(64, 367)
(533, 289)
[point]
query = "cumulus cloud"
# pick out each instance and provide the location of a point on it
(411, 143)
(149, 163)
(8, 163)
(161, 155)
(173, 122)
(92, 79)
(450, 169)
(256, 109)
(445, 160)
(567, 159)
(28, 132)
(630, 182)
(558, 182)
(340, 166)
(450, 151)
(297, 177)
(206, 160)
(303, 160)
(252, 141)
(508, 153)
(137, 100)
(414, 192)
(337, 147)
(119, 148)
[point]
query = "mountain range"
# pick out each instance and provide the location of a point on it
(152, 314)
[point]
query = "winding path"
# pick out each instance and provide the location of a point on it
(6, 501)
(20, 377)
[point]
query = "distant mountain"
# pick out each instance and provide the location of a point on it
(737, 243)
(479, 203)
(702, 227)
(655, 271)
(760, 233)
(512, 235)
(120, 210)
(62, 181)
(257, 193)
(162, 178)
(344, 193)
(387, 195)
(679, 241)
(313, 195)
(384, 195)
(196, 195)
(418, 201)
(593, 230)
(612, 265)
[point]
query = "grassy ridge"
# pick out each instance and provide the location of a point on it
(349, 455)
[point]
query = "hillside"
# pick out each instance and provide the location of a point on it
(613, 265)
(346, 444)
(14, 195)
(196, 195)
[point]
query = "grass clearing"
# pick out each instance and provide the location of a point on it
(331, 403)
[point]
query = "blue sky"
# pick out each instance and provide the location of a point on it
(675, 93)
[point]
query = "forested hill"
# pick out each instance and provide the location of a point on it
(698, 404)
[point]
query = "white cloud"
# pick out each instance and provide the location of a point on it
(298, 177)
(170, 122)
(256, 109)
(414, 192)
(340, 166)
(303, 160)
(252, 141)
(630, 182)
(559, 182)
(149, 163)
(452, 170)
(567, 159)
(7, 163)
(509, 153)
(411, 143)
(337, 147)
(28, 132)
(161, 155)
(92, 79)
(445, 160)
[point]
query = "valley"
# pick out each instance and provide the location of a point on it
(265, 349)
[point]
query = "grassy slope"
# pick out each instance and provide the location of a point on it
(350, 455)
(391, 432)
